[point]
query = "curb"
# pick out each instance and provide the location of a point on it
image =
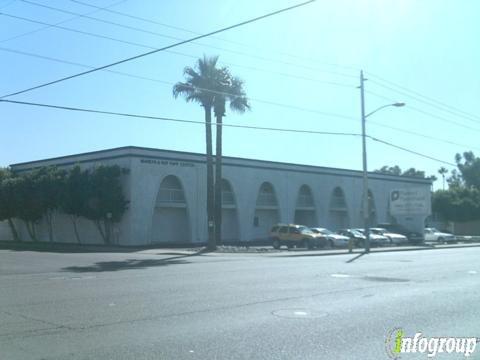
(374, 251)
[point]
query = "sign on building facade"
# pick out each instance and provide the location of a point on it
(412, 201)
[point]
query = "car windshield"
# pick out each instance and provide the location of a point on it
(305, 230)
(324, 231)
(378, 231)
(356, 233)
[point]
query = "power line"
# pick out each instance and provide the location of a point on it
(86, 16)
(440, 103)
(262, 70)
(163, 82)
(160, 49)
(254, 99)
(48, 26)
(431, 102)
(410, 151)
(428, 113)
(78, 31)
(151, 21)
(422, 135)
(236, 52)
(69, 108)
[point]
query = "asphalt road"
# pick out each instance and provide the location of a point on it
(220, 306)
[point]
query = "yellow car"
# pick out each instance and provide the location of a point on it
(295, 235)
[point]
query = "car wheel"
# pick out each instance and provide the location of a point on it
(276, 244)
(308, 244)
(331, 244)
(441, 240)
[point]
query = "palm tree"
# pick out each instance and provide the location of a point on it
(443, 171)
(231, 91)
(200, 87)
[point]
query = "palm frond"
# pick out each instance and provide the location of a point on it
(183, 89)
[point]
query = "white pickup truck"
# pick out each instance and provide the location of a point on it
(434, 235)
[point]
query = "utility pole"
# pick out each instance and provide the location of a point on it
(365, 204)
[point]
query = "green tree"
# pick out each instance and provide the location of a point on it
(106, 202)
(392, 170)
(50, 182)
(461, 202)
(200, 86)
(73, 200)
(29, 201)
(231, 91)
(457, 204)
(414, 173)
(8, 200)
(396, 170)
(469, 168)
(443, 171)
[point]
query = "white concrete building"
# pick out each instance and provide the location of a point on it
(167, 194)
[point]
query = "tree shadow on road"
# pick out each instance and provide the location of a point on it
(128, 264)
(131, 264)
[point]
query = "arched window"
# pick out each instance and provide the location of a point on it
(305, 208)
(171, 191)
(228, 197)
(305, 198)
(170, 223)
(266, 195)
(338, 214)
(338, 201)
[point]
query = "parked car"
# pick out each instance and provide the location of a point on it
(432, 234)
(414, 237)
(359, 236)
(333, 240)
(295, 235)
(394, 238)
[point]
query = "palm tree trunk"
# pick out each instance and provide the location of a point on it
(210, 194)
(218, 182)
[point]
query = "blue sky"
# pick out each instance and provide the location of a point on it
(300, 69)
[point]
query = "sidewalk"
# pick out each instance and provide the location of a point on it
(227, 250)
(270, 252)
(302, 252)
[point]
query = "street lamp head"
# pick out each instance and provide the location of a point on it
(399, 104)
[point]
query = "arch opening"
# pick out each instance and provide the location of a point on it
(230, 227)
(338, 210)
(266, 211)
(170, 223)
(305, 213)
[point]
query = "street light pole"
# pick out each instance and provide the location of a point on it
(365, 204)
(365, 174)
